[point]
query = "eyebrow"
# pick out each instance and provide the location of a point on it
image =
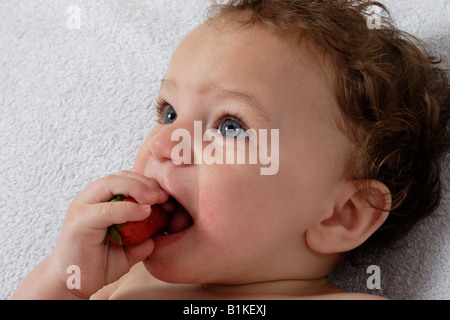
(249, 100)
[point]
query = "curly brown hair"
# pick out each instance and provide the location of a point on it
(394, 97)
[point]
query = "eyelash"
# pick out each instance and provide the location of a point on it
(161, 104)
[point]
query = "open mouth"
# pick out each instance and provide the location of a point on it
(180, 219)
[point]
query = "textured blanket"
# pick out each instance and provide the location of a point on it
(78, 80)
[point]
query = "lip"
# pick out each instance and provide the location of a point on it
(170, 187)
(173, 188)
(162, 240)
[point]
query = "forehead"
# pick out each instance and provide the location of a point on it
(226, 52)
(252, 60)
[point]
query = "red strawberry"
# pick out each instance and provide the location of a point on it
(133, 232)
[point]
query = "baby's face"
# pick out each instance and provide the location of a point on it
(247, 226)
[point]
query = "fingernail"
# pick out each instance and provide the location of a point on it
(146, 208)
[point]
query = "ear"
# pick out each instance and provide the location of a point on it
(357, 213)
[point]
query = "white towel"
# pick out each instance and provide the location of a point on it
(78, 80)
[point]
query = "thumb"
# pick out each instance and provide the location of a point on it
(140, 251)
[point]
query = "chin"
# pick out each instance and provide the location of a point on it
(168, 273)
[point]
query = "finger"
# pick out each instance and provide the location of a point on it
(135, 175)
(102, 215)
(133, 255)
(104, 189)
(152, 183)
(140, 251)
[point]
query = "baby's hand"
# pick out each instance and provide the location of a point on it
(81, 242)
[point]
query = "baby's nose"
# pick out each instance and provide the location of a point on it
(174, 144)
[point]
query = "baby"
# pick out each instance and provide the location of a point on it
(353, 113)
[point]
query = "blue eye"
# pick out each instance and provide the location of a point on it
(169, 115)
(231, 128)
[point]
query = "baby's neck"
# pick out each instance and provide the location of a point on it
(140, 284)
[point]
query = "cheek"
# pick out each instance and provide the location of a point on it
(219, 205)
(248, 220)
(238, 205)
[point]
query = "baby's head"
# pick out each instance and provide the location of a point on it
(355, 116)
